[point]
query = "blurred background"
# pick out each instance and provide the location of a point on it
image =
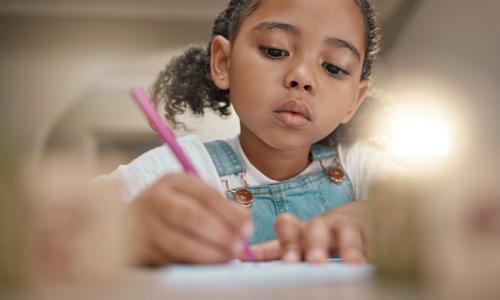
(67, 67)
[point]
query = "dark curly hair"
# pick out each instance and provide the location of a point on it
(186, 81)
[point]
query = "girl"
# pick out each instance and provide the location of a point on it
(295, 73)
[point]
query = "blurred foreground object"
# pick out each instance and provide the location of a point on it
(397, 232)
(58, 230)
(77, 229)
(465, 234)
(13, 271)
(440, 234)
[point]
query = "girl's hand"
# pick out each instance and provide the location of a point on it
(337, 231)
(182, 219)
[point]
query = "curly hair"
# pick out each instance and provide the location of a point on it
(186, 81)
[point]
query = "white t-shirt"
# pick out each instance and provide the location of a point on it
(361, 162)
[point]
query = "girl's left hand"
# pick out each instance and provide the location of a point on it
(338, 231)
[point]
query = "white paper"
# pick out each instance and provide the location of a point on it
(272, 273)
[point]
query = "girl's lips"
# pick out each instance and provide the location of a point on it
(296, 107)
(293, 113)
(291, 119)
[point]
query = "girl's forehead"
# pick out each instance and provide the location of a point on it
(312, 18)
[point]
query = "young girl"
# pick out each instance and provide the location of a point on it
(295, 72)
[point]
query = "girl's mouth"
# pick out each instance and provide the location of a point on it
(293, 113)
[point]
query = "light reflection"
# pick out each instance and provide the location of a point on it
(420, 135)
(420, 130)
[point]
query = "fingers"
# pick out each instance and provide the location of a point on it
(192, 220)
(234, 216)
(317, 241)
(350, 242)
(289, 234)
(266, 251)
(348, 238)
(317, 238)
(175, 246)
(182, 219)
(149, 255)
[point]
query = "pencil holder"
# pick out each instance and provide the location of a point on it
(465, 240)
(13, 248)
(441, 235)
(397, 230)
(77, 232)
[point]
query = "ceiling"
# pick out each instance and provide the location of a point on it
(393, 14)
(149, 9)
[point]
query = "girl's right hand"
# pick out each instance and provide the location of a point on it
(182, 219)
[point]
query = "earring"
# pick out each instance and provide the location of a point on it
(221, 77)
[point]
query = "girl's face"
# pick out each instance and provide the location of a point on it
(293, 71)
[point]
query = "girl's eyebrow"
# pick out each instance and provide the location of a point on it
(344, 44)
(337, 42)
(268, 26)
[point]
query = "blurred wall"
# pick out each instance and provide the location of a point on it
(56, 68)
(449, 53)
(55, 71)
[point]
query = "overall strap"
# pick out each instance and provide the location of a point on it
(226, 161)
(322, 152)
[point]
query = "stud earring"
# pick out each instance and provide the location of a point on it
(221, 77)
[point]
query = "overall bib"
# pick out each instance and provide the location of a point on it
(305, 196)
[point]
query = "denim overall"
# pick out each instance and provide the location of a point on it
(305, 196)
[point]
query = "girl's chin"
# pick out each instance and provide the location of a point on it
(287, 143)
(277, 139)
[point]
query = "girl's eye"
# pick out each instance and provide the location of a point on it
(334, 70)
(273, 52)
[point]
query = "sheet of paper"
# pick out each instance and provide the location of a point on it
(263, 273)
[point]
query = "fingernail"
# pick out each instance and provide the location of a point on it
(353, 256)
(316, 255)
(291, 256)
(248, 230)
(237, 248)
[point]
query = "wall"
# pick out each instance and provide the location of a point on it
(61, 74)
(449, 54)
(53, 69)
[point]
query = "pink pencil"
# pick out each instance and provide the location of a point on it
(167, 135)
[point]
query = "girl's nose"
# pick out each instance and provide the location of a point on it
(297, 85)
(300, 78)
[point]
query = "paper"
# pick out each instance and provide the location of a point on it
(272, 273)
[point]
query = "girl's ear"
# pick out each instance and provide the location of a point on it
(358, 99)
(219, 61)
